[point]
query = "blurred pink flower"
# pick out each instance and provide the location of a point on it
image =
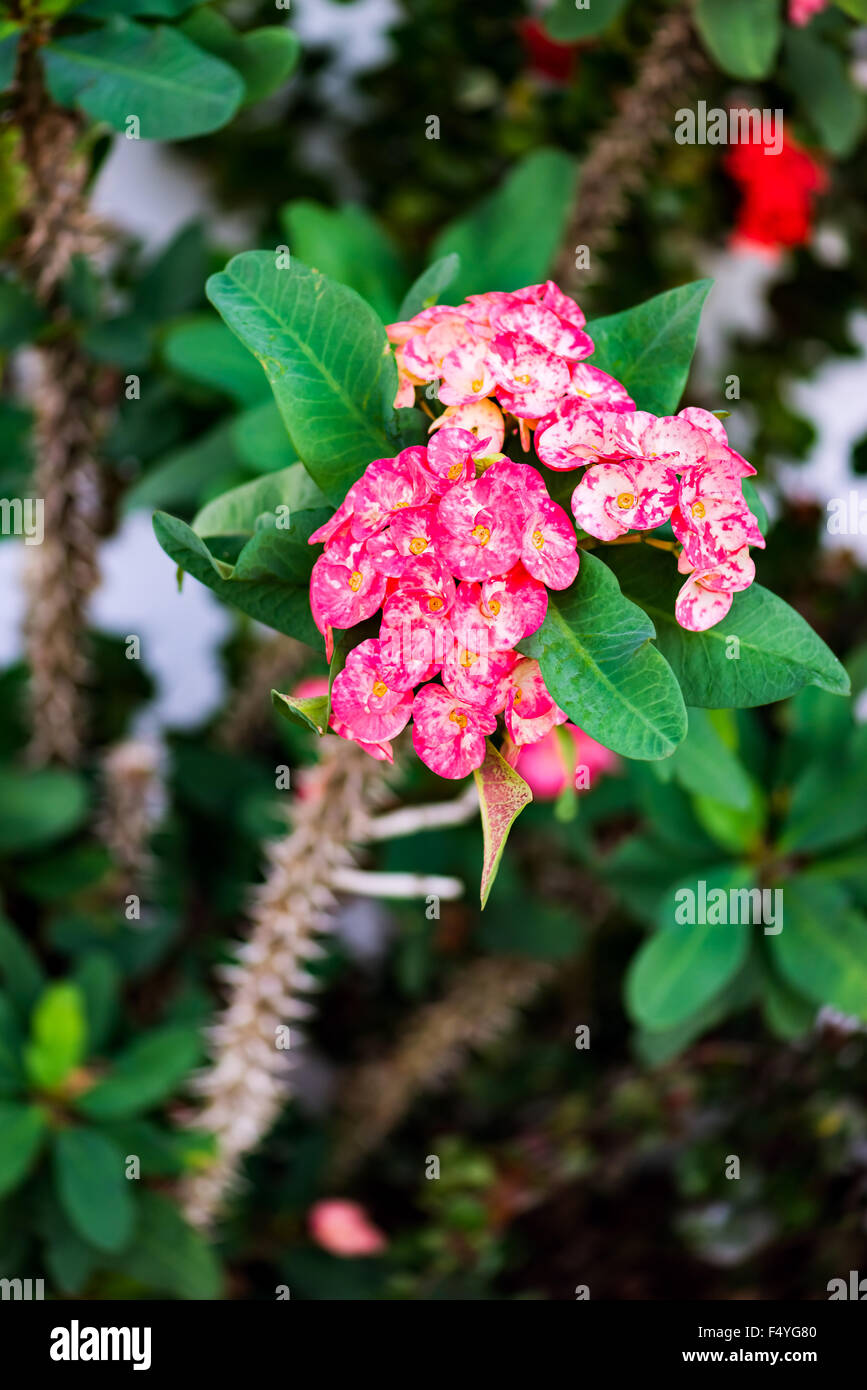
(344, 1228)
(544, 767)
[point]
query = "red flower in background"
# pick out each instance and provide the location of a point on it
(778, 190)
(556, 61)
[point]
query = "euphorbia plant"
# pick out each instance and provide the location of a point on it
(444, 451)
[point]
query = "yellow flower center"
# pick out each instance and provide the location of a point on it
(468, 659)
(522, 380)
(478, 384)
(457, 718)
(481, 534)
(517, 693)
(379, 689)
(494, 607)
(698, 509)
(626, 500)
(455, 471)
(355, 581)
(397, 506)
(538, 539)
(434, 605)
(417, 545)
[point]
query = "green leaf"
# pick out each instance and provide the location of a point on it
(566, 23)
(650, 347)
(680, 968)
(261, 439)
(182, 476)
(311, 713)
(58, 1036)
(327, 358)
(171, 283)
(236, 512)
(856, 8)
(829, 801)
(502, 797)
(98, 977)
(704, 764)
(20, 970)
(203, 349)
(39, 807)
(742, 36)
(264, 57)
(834, 106)
(20, 316)
(738, 829)
(22, 1129)
(787, 1014)
(822, 949)
(597, 660)
(169, 1255)
(148, 1072)
(285, 607)
(348, 245)
(89, 1175)
(511, 237)
(777, 651)
(125, 69)
(429, 286)
(11, 1071)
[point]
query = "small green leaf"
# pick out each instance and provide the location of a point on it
(39, 807)
(429, 286)
(58, 1033)
(502, 797)
(309, 713)
(568, 23)
(155, 74)
(705, 765)
(682, 966)
(822, 949)
(169, 1255)
(742, 36)
(144, 1075)
(98, 977)
(264, 57)
(597, 660)
(829, 801)
(650, 347)
(261, 439)
(20, 970)
(834, 106)
(22, 1129)
(94, 1192)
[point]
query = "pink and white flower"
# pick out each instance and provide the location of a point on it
(448, 733)
(706, 597)
(531, 710)
(363, 701)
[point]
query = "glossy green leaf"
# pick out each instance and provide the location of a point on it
(598, 662)
(775, 652)
(278, 604)
(503, 794)
(510, 238)
(58, 1036)
(742, 36)
(822, 949)
(22, 1130)
(89, 1175)
(650, 348)
(174, 89)
(261, 440)
(430, 286)
(327, 358)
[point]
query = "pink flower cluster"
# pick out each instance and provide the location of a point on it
(459, 550)
(507, 361)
